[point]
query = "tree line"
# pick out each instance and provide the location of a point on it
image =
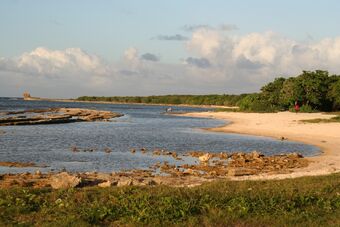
(312, 90)
(220, 100)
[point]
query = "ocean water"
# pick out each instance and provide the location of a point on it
(141, 126)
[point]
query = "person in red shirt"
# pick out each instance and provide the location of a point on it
(296, 107)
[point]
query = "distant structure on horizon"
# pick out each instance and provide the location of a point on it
(26, 95)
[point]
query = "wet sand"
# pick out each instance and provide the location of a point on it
(286, 125)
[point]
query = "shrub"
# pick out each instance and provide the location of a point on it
(256, 103)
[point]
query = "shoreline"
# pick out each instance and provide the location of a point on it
(280, 125)
(288, 126)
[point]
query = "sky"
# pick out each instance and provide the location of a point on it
(70, 48)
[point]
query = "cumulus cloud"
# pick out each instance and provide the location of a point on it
(260, 57)
(54, 62)
(219, 63)
(131, 54)
(204, 42)
(176, 37)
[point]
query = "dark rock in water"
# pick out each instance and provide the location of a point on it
(74, 149)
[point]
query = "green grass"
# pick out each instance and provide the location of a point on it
(308, 201)
(226, 109)
(320, 120)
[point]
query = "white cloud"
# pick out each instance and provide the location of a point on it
(55, 62)
(131, 54)
(216, 62)
(263, 56)
(204, 42)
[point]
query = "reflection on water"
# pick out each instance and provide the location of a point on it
(142, 126)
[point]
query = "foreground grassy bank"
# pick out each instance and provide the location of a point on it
(309, 201)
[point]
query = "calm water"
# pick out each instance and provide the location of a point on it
(142, 126)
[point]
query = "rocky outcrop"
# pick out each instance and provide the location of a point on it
(55, 116)
(20, 164)
(218, 166)
(234, 164)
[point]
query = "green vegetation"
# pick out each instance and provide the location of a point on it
(320, 120)
(307, 201)
(313, 90)
(220, 100)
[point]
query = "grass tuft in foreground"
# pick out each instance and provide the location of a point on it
(307, 201)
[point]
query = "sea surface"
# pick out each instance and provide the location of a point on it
(142, 126)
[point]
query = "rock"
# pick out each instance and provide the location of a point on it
(295, 155)
(38, 172)
(143, 150)
(74, 149)
(223, 155)
(156, 152)
(256, 155)
(64, 180)
(107, 184)
(56, 116)
(125, 182)
(234, 172)
(18, 164)
(149, 182)
(205, 158)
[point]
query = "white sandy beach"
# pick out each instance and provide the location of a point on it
(326, 136)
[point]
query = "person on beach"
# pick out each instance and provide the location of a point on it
(296, 107)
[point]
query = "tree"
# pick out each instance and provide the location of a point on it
(334, 92)
(315, 86)
(271, 91)
(291, 91)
